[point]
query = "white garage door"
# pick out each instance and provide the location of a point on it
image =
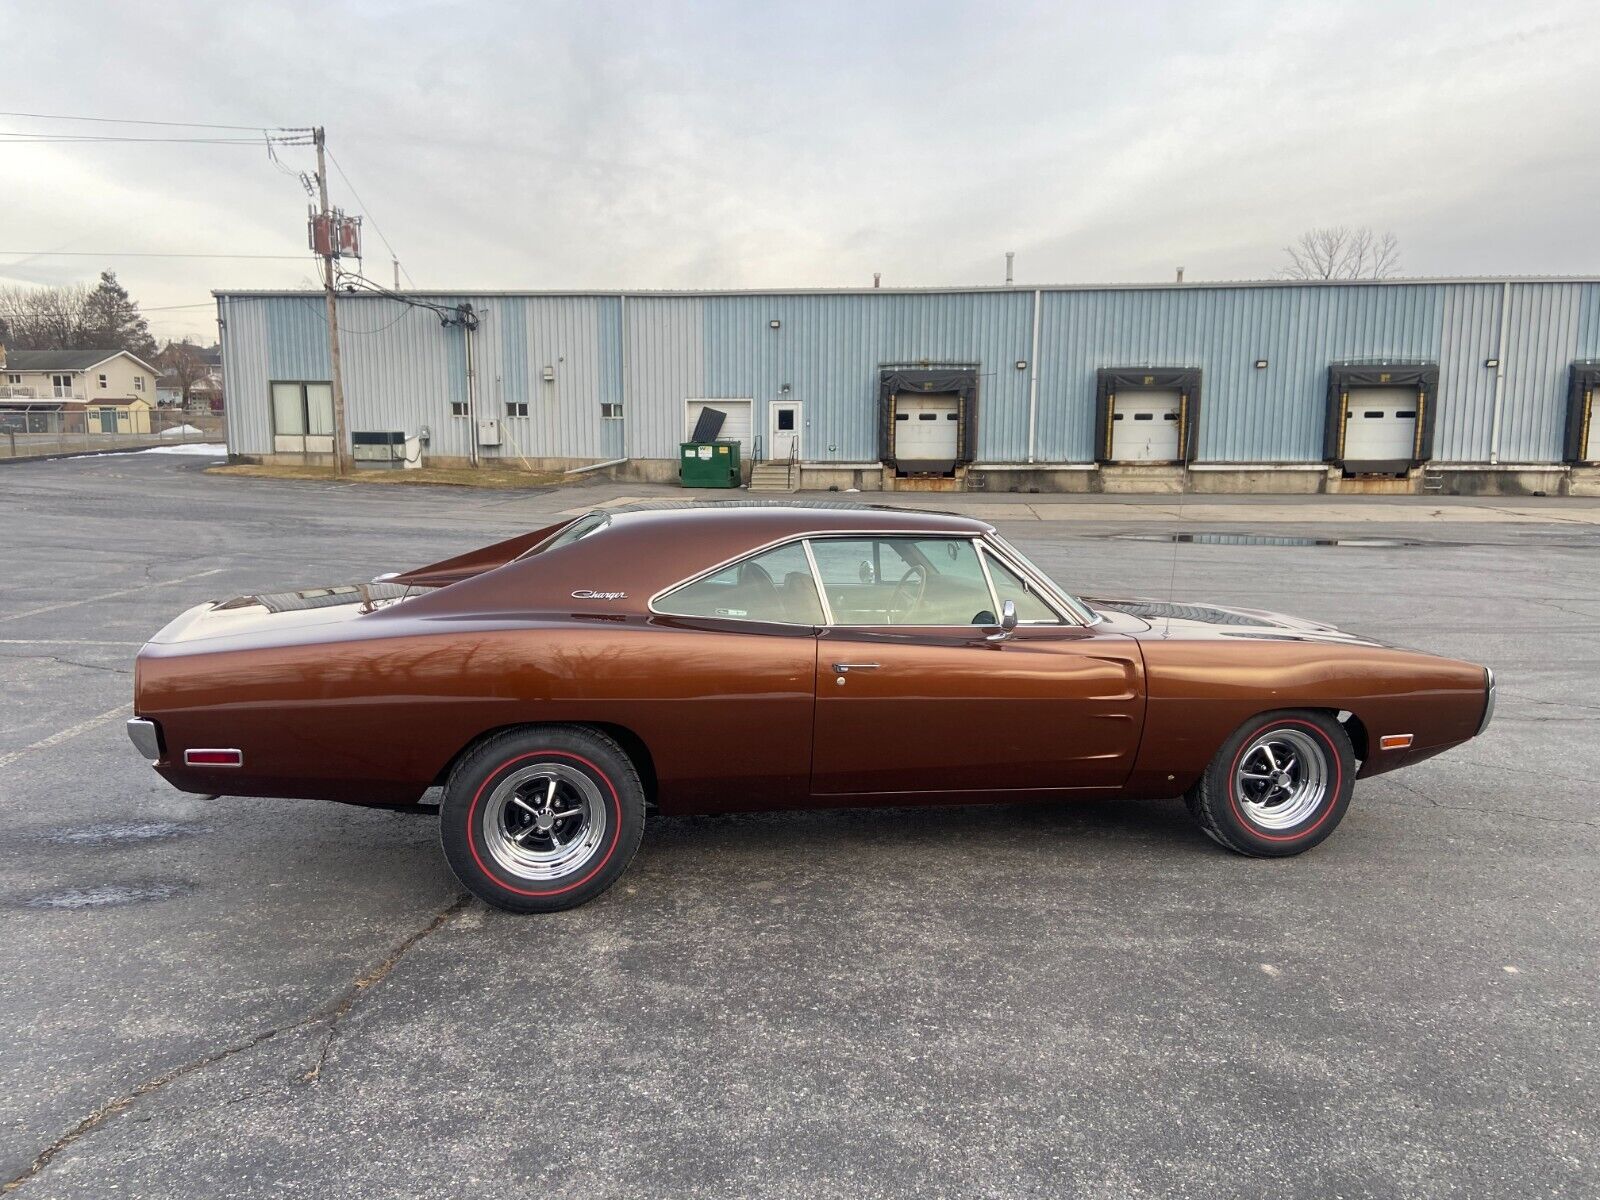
(1591, 451)
(1144, 426)
(926, 433)
(736, 427)
(1380, 429)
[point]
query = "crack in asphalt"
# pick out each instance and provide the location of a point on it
(333, 1013)
(1494, 812)
(371, 979)
(66, 662)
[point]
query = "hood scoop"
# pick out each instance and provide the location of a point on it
(1156, 610)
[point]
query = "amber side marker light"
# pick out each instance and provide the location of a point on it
(1394, 741)
(213, 758)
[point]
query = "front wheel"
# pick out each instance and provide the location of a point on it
(542, 818)
(1278, 786)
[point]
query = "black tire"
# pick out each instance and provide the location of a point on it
(1237, 801)
(513, 798)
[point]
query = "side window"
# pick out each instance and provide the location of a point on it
(1008, 585)
(775, 586)
(903, 581)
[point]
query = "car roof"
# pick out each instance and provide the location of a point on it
(793, 516)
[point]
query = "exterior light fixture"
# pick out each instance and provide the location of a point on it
(1491, 363)
(775, 323)
(1022, 364)
(549, 374)
(1261, 364)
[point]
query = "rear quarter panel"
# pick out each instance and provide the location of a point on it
(376, 719)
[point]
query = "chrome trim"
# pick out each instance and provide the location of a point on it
(987, 548)
(1488, 700)
(816, 582)
(1073, 611)
(983, 565)
(146, 738)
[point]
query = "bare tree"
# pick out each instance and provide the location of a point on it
(44, 318)
(1339, 252)
(181, 363)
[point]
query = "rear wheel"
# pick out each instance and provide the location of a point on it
(1278, 786)
(542, 818)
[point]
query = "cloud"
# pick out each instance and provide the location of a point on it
(723, 145)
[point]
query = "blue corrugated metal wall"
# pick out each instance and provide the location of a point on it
(653, 352)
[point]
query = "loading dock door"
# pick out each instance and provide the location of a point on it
(926, 433)
(736, 426)
(1380, 430)
(1144, 426)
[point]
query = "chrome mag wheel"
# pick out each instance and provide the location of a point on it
(1282, 778)
(544, 821)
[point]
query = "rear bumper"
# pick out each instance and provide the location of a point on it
(1488, 701)
(146, 738)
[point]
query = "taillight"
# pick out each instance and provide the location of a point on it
(213, 758)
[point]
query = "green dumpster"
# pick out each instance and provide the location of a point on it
(708, 464)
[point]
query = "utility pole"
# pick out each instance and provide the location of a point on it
(341, 440)
(397, 274)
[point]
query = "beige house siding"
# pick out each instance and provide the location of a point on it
(126, 379)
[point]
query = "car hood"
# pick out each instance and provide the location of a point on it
(1168, 618)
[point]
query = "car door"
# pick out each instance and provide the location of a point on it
(737, 648)
(924, 702)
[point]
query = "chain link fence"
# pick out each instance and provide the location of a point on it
(34, 432)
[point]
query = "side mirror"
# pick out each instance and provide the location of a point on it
(1008, 621)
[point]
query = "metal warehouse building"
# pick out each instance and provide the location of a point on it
(1470, 385)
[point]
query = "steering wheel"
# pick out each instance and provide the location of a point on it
(754, 576)
(908, 593)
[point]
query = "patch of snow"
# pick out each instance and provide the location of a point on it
(208, 449)
(181, 431)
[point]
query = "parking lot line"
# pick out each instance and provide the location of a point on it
(44, 608)
(62, 735)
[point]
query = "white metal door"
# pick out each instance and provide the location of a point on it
(1380, 428)
(926, 433)
(783, 430)
(1144, 426)
(737, 427)
(1590, 451)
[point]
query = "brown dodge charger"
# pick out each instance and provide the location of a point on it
(709, 658)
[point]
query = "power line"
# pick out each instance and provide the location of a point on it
(369, 214)
(171, 124)
(45, 139)
(137, 254)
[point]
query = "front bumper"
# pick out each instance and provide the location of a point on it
(1488, 701)
(146, 738)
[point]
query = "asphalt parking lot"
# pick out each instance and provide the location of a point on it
(258, 997)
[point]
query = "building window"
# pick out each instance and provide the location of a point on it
(516, 408)
(104, 382)
(458, 408)
(611, 412)
(13, 378)
(61, 385)
(138, 383)
(302, 418)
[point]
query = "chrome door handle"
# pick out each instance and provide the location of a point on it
(842, 668)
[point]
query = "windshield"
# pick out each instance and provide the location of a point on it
(1074, 605)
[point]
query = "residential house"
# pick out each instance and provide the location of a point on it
(76, 391)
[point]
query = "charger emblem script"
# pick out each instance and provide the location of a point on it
(586, 594)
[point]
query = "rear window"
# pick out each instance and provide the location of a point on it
(575, 532)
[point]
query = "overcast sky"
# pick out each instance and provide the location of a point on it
(594, 145)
